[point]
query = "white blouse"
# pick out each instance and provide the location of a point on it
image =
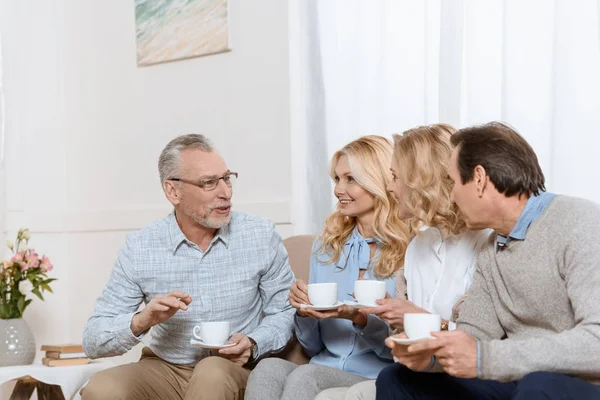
(439, 271)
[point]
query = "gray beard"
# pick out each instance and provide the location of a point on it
(207, 221)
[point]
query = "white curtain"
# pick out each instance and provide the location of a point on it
(2, 150)
(383, 66)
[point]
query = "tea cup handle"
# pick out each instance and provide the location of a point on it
(197, 333)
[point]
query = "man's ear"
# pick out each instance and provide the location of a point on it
(480, 178)
(172, 191)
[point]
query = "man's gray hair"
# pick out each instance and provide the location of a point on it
(169, 162)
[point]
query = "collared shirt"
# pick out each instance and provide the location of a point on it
(338, 343)
(533, 209)
(242, 274)
(440, 270)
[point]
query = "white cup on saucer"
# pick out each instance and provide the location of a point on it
(212, 333)
(368, 291)
(420, 325)
(323, 294)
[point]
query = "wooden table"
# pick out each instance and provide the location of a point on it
(60, 383)
(26, 385)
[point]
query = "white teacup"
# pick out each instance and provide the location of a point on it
(323, 294)
(212, 333)
(420, 325)
(368, 291)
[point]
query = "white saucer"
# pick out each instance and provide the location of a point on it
(323, 308)
(202, 345)
(407, 342)
(356, 304)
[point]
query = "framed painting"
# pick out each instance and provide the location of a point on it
(168, 30)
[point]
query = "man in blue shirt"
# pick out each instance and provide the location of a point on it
(201, 263)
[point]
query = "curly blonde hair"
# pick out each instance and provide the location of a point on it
(369, 158)
(423, 156)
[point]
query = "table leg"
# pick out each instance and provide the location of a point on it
(23, 390)
(49, 392)
(25, 387)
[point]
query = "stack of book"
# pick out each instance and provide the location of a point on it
(62, 355)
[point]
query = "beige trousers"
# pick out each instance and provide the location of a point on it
(213, 378)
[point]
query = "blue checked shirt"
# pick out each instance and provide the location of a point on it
(243, 275)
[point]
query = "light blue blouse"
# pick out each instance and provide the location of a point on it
(338, 343)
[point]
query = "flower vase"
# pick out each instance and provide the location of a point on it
(17, 344)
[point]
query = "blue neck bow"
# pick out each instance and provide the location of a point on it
(356, 251)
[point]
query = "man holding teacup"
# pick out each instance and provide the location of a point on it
(530, 325)
(215, 284)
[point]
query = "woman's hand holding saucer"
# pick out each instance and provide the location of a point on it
(299, 296)
(343, 311)
(392, 311)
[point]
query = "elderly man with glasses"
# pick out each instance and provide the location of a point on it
(201, 263)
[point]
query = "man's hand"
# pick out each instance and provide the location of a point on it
(415, 360)
(299, 295)
(392, 311)
(158, 310)
(456, 351)
(344, 312)
(241, 352)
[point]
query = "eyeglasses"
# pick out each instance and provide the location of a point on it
(210, 184)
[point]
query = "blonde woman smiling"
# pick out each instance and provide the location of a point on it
(364, 238)
(440, 259)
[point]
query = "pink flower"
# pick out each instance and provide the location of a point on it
(18, 257)
(23, 265)
(45, 265)
(33, 259)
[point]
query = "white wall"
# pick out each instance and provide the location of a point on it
(85, 126)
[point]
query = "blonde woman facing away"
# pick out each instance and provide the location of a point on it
(440, 259)
(364, 238)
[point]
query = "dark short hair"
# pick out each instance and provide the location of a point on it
(508, 159)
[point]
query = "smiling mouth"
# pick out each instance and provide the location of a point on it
(345, 201)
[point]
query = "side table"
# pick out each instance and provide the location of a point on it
(51, 382)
